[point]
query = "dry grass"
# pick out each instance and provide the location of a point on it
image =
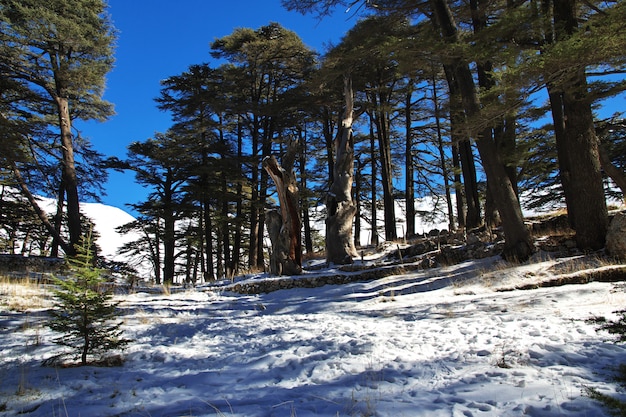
(22, 295)
(580, 263)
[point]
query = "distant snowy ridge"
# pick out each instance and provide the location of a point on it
(106, 219)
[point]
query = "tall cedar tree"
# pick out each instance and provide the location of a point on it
(61, 51)
(199, 102)
(84, 312)
(162, 164)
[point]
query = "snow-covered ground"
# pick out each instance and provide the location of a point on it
(440, 342)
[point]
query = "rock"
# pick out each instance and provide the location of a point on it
(616, 237)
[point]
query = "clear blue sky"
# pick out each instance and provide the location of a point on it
(161, 38)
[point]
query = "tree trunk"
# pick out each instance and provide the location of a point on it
(518, 243)
(239, 209)
(358, 183)
(225, 230)
(255, 240)
(381, 122)
(340, 208)
(304, 196)
(69, 172)
(208, 241)
(409, 186)
(472, 218)
(284, 227)
(442, 158)
(266, 150)
(587, 202)
(169, 234)
(374, 189)
(458, 186)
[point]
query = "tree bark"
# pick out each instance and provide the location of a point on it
(284, 227)
(339, 205)
(587, 203)
(518, 244)
(69, 171)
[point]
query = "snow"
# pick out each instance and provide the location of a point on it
(438, 342)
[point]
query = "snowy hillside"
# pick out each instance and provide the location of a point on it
(106, 220)
(439, 342)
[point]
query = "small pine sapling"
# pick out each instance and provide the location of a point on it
(84, 312)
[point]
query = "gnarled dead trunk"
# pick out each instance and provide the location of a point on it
(339, 205)
(284, 227)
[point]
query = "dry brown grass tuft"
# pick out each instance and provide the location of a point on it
(23, 294)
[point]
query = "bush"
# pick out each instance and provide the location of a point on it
(84, 312)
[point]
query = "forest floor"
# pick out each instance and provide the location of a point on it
(478, 338)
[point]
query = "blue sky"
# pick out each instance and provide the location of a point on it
(161, 38)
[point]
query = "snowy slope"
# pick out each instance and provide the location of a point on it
(107, 219)
(439, 342)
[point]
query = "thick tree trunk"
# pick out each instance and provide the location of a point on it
(284, 227)
(340, 208)
(518, 243)
(587, 202)
(589, 206)
(69, 172)
(503, 138)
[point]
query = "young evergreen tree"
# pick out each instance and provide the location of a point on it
(84, 312)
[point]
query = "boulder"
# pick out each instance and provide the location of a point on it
(616, 237)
